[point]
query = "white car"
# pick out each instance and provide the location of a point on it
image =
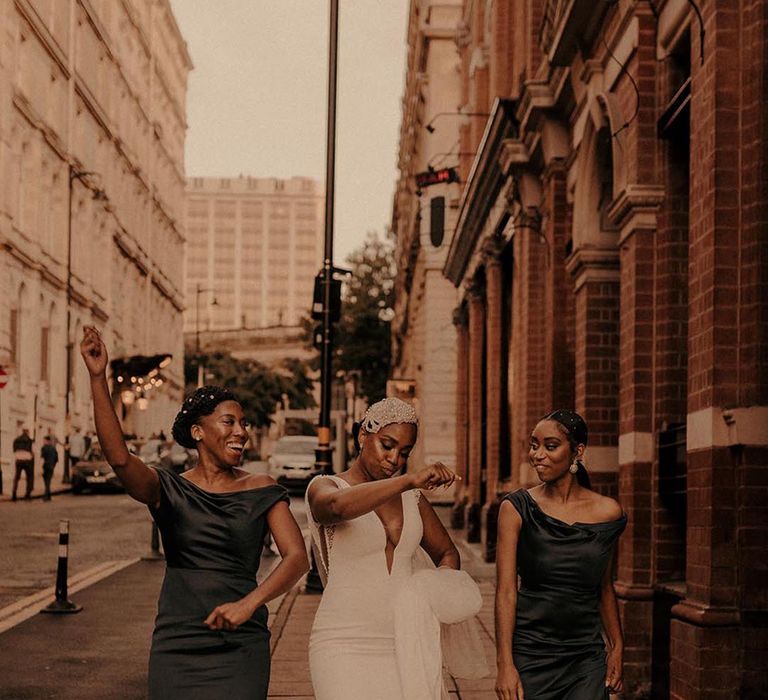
(292, 462)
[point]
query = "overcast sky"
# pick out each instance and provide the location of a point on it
(256, 103)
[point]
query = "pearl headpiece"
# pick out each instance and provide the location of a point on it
(386, 412)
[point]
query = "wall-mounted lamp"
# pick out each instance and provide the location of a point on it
(431, 129)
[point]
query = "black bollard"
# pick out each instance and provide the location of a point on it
(154, 544)
(314, 583)
(62, 604)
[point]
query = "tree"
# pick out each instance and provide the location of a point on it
(258, 388)
(361, 339)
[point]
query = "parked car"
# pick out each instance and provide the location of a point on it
(151, 452)
(177, 458)
(93, 473)
(292, 462)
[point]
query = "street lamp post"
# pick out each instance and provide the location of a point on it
(200, 367)
(98, 194)
(324, 452)
(323, 455)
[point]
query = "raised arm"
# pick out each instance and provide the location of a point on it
(140, 482)
(508, 684)
(330, 504)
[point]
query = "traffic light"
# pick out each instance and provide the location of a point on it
(317, 298)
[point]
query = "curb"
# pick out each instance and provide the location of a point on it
(281, 616)
(56, 491)
(16, 613)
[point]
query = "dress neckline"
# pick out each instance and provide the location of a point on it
(220, 493)
(602, 523)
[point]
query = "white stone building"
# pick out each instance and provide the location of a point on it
(92, 130)
(254, 245)
(424, 338)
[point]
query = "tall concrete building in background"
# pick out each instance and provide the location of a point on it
(254, 246)
(92, 131)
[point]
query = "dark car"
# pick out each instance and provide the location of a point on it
(292, 462)
(93, 473)
(177, 458)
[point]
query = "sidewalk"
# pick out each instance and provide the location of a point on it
(39, 487)
(102, 652)
(293, 622)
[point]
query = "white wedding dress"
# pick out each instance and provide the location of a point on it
(352, 644)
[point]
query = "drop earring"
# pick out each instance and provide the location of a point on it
(573, 468)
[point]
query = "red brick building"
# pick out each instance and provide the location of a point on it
(611, 250)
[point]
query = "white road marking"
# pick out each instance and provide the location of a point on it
(15, 613)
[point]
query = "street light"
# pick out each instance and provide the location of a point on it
(431, 129)
(324, 451)
(98, 195)
(200, 369)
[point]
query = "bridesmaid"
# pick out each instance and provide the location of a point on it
(211, 638)
(559, 537)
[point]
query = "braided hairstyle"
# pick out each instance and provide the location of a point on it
(575, 430)
(202, 402)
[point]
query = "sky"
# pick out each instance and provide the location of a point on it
(256, 101)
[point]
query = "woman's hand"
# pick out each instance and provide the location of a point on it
(230, 616)
(435, 475)
(613, 677)
(508, 684)
(94, 351)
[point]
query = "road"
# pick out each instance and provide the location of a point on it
(103, 528)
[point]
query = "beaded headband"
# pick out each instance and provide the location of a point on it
(572, 422)
(386, 412)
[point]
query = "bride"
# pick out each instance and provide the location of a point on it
(367, 525)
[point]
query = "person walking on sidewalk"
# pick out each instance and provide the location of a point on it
(211, 638)
(50, 456)
(24, 462)
(77, 447)
(367, 525)
(559, 538)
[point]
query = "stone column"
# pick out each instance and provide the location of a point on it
(634, 214)
(596, 275)
(460, 320)
(527, 378)
(475, 303)
(494, 392)
(719, 631)
(559, 302)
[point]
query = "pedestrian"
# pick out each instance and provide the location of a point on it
(367, 525)
(50, 457)
(77, 447)
(559, 537)
(211, 638)
(24, 463)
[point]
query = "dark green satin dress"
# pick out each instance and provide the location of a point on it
(212, 544)
(557, 643)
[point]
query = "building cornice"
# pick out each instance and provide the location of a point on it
(483, 185)
(567, 25)
(636, 207)
(593, 265)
